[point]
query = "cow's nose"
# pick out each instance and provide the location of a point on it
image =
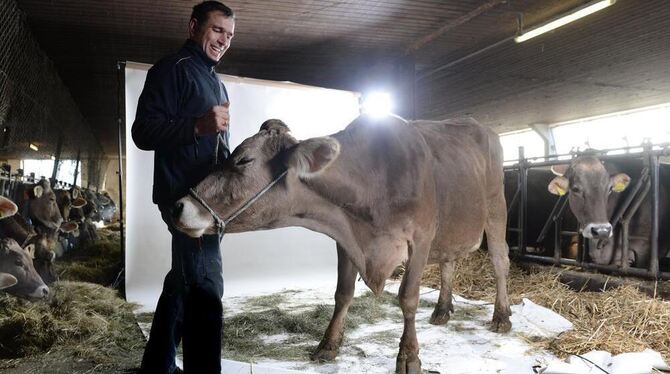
(601, 231)
(45, 291)
(177, 208)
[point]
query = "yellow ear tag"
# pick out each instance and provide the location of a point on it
(619, 186)
(560, 191)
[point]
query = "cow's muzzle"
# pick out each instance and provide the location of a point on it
(597, 230)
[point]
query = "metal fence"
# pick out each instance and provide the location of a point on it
(646, 184)
(35, 106)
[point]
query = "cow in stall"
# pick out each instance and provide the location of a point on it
(37, 202)
(85, 216)
(67, 201)
(595, 190)
(386, 191)
(17, 228)
(17, 274)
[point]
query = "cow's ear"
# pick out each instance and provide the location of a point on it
(619, 182)
(38, 191)
(7, 280)
(79, 203)
(312, 156)
(75, 193)
(559, 186)
(559, 169)
(30, 249)
(274, 127)
(7, 207)
(68, 227)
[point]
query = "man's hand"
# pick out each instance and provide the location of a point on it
(216, 119)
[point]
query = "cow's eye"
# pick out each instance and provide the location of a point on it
(244, 161)
(575, 189)
(18, 263)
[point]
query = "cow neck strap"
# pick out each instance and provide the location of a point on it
(222, 223)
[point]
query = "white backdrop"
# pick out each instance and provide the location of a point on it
(264, 261)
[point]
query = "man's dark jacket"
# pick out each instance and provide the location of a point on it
(178, 90)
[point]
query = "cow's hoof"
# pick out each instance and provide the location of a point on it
(501, 325)
(408, 364)
(440, 317)
(325, 352)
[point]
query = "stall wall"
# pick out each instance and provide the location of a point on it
(264, 261)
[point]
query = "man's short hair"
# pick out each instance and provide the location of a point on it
(202, 10)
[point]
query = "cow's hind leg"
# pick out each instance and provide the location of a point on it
(444, 306)
(346, 283)
(499, 252)
(408, 356)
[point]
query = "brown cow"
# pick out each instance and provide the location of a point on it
(17, 228)
(18, 262)
(387, 191)
(590, 183)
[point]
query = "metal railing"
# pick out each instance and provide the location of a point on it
(647, 183)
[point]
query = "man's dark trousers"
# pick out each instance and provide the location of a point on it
(189, 309)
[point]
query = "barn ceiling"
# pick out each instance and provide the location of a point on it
(439, 58)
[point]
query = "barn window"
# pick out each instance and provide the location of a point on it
(529, 139)
(44, 168)
(618, 130)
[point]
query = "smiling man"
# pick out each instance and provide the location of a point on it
(182, 115)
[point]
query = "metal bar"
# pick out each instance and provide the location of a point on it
(644, 176)
(523, 184)
(556, 211)
(119, 119)
(466, 57)
(663, 151)
(515, 199)
(653, 239)
(453, 24)
(612, 268)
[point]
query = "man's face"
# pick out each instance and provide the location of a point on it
(214, 35)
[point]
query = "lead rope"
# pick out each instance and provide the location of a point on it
(221, 223)
(219, 140)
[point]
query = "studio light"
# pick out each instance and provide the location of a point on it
(33, 147)
(377, 104)
(573, 15)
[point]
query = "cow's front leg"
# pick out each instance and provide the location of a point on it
(408, 356)
(444, 306)
(346, 282)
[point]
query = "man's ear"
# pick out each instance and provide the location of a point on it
(312, 156)
(560, 169)
(619, 182)
(559, 186)
(192, 27)
(275, 127)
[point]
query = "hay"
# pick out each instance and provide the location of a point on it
(266, 331)
(89, 320)
(618, 320)
(97, 262)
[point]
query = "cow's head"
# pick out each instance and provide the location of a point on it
(43, 257)
(18, 262)
(43, 206)
(251, 167)
(589, 184)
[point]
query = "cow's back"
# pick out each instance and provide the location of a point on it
(467, 159)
